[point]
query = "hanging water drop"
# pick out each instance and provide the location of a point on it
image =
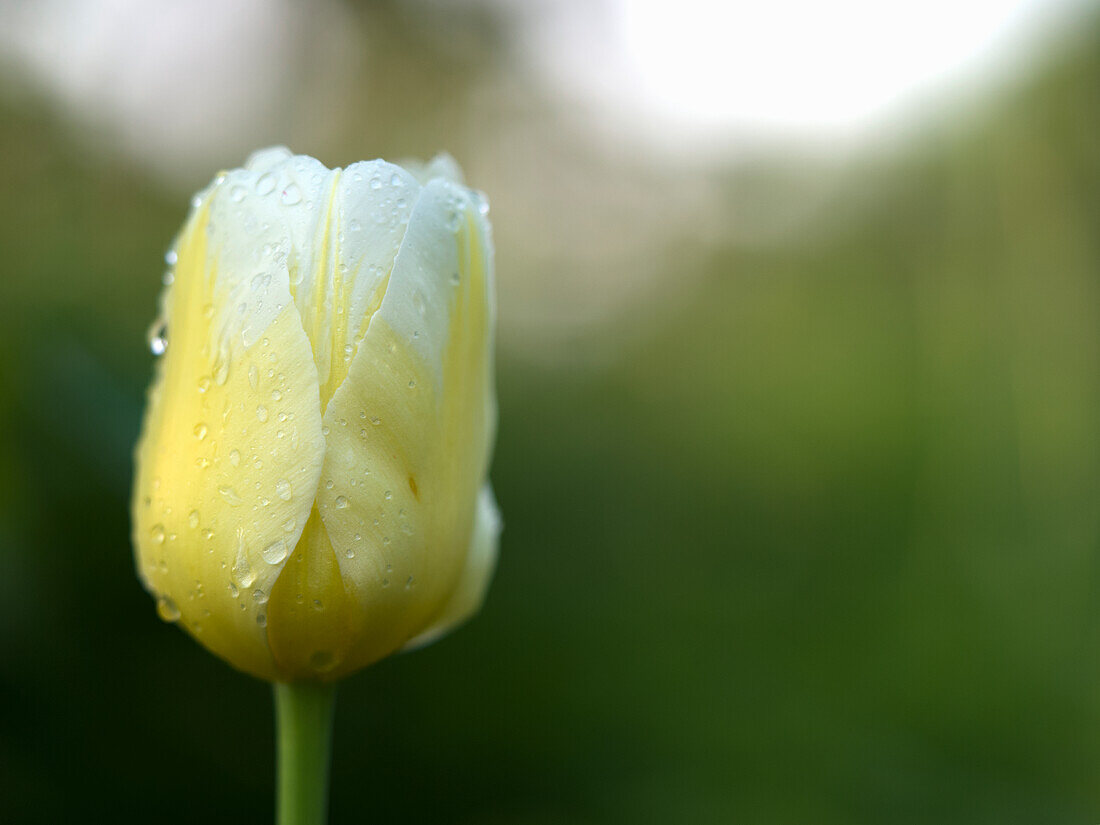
(167, 610)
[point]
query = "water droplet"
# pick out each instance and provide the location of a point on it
(341, 503)
(395, 180)
(388, 495)
(157, 533)
(376, 183)
(234, 591)
(282, 489)
(481, 201)
(276, 396)
(204, 383)
(412, 383)
(237, 193)
(291, 195)
(259, 596)
(329, 484)
(261, 620)
(200, 431)
(208, 534)
(418, 302)
(167, 610)
(253, 376)
(275, 552)
(260, 281)
(221, 372)
(385, 582)
(235, 457)
(193, 519)
(456, 279)
(409, 583)
(170, 257)
(265, 185)
(261, 413)
(349, 553)
(322, 660)
(230, 495)
(354, 226)
(289, 525)
(242, 570)
(317, 605)
(158, 337)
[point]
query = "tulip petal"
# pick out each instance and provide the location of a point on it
(481, 561)
(365, 224)
(410, 427)
(441, 166)
(231, 448)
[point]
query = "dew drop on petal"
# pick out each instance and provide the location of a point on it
(230, 495)
(282, 489)
(158, 338)
(221, 372)
(265, 185)
(291, 195)
(167, 610)
(275, 552)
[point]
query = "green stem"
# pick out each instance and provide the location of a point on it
(303, 718)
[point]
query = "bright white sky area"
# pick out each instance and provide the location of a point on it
(793, 66)
(191, 78)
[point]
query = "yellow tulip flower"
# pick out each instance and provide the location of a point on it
(311, 481)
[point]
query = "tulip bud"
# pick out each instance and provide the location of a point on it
(311, 486)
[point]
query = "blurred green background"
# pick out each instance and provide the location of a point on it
(798, 461)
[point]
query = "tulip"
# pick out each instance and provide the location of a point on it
(311, 489)
(311, 486)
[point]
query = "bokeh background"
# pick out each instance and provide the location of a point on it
(799, 373)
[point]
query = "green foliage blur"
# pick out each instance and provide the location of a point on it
(817, 543)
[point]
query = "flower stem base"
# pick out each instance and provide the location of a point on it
(303, 718)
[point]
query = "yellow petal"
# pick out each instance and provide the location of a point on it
(362, 227)
(481, 561)
(410, 427)
(231, 448)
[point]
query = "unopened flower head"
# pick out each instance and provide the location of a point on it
(311, 481)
